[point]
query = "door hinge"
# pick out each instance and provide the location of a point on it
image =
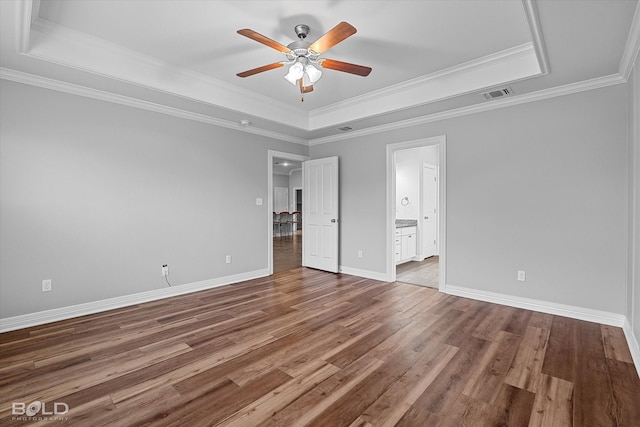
(435, 179)
(434, 242)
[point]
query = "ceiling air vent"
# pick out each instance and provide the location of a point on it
(345, 128)
(498, 93)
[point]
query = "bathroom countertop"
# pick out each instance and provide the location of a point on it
(401, 223)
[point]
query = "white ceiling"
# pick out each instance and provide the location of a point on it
(428, 57)
(285, 166)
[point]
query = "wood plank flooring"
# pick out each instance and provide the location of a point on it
(287, 252)
(423, 273)
(304, 347)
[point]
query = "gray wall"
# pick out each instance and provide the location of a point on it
(539, 187)
(280, 180)
(97, 196)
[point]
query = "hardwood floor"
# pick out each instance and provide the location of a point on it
(287, 252)
(304, 347)
(423, 273)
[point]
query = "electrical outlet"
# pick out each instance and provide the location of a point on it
(228, 259)
(165, 270)
(46, 285)
(521, 276)
(359, 253)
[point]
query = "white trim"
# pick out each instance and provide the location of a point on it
(271, 154)
(632, 46)
(531, 13)
(493, 70)
(60, 45)
(63, 313)
(24, 11)
(440, 141)
(44, 82)
(34, 80)
(581, 313)
(568, 89)
(294, 198)
(367, 274)
(412, 84)
(634, 347)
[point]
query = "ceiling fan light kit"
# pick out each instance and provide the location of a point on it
(303, 58)
(304, 69)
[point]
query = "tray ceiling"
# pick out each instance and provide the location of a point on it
(427, 56)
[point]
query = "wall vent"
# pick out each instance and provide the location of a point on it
(498, 93)
(345, 128)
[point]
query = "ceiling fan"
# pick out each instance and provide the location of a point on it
(304, 57)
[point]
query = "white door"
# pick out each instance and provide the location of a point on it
(429, 209)
(281, 199)
(320, 214)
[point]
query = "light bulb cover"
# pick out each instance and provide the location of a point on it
(313, 73)
(295, 73)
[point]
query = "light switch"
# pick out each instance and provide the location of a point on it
(258, 201)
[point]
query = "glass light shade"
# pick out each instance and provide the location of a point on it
(313, 73)
(306, 81)
(295, 73)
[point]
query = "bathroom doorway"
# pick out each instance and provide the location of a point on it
(416, 212)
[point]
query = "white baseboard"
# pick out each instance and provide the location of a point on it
(367, 274)
(634, 347)
(63, 313)
(581, 313)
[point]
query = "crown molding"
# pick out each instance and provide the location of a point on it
(25, 24)
(513, 64)
(70, 88)
(60, 45)
(568, 89)
(531, 13)
(632, 47)
(446, 83)
(412, 84)
(33, 80)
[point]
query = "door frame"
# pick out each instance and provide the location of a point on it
(271, 154)
(294, 205)
(441, 141)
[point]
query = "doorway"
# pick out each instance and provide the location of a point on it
(285, 184)
(416, 212)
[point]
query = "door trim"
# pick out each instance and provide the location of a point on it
(441, 141)
(269, 213)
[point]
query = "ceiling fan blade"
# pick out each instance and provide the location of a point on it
(264, 40)
(305, 89)
(346, 67)
(260, 69)
(333, 37)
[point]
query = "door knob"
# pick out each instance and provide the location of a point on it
(426, 217)
(334, 220)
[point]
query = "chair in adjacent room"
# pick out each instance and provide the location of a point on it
(276, 223)
(296, 221)
(285, 221)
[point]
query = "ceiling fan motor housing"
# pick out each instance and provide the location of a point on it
(301, 31)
